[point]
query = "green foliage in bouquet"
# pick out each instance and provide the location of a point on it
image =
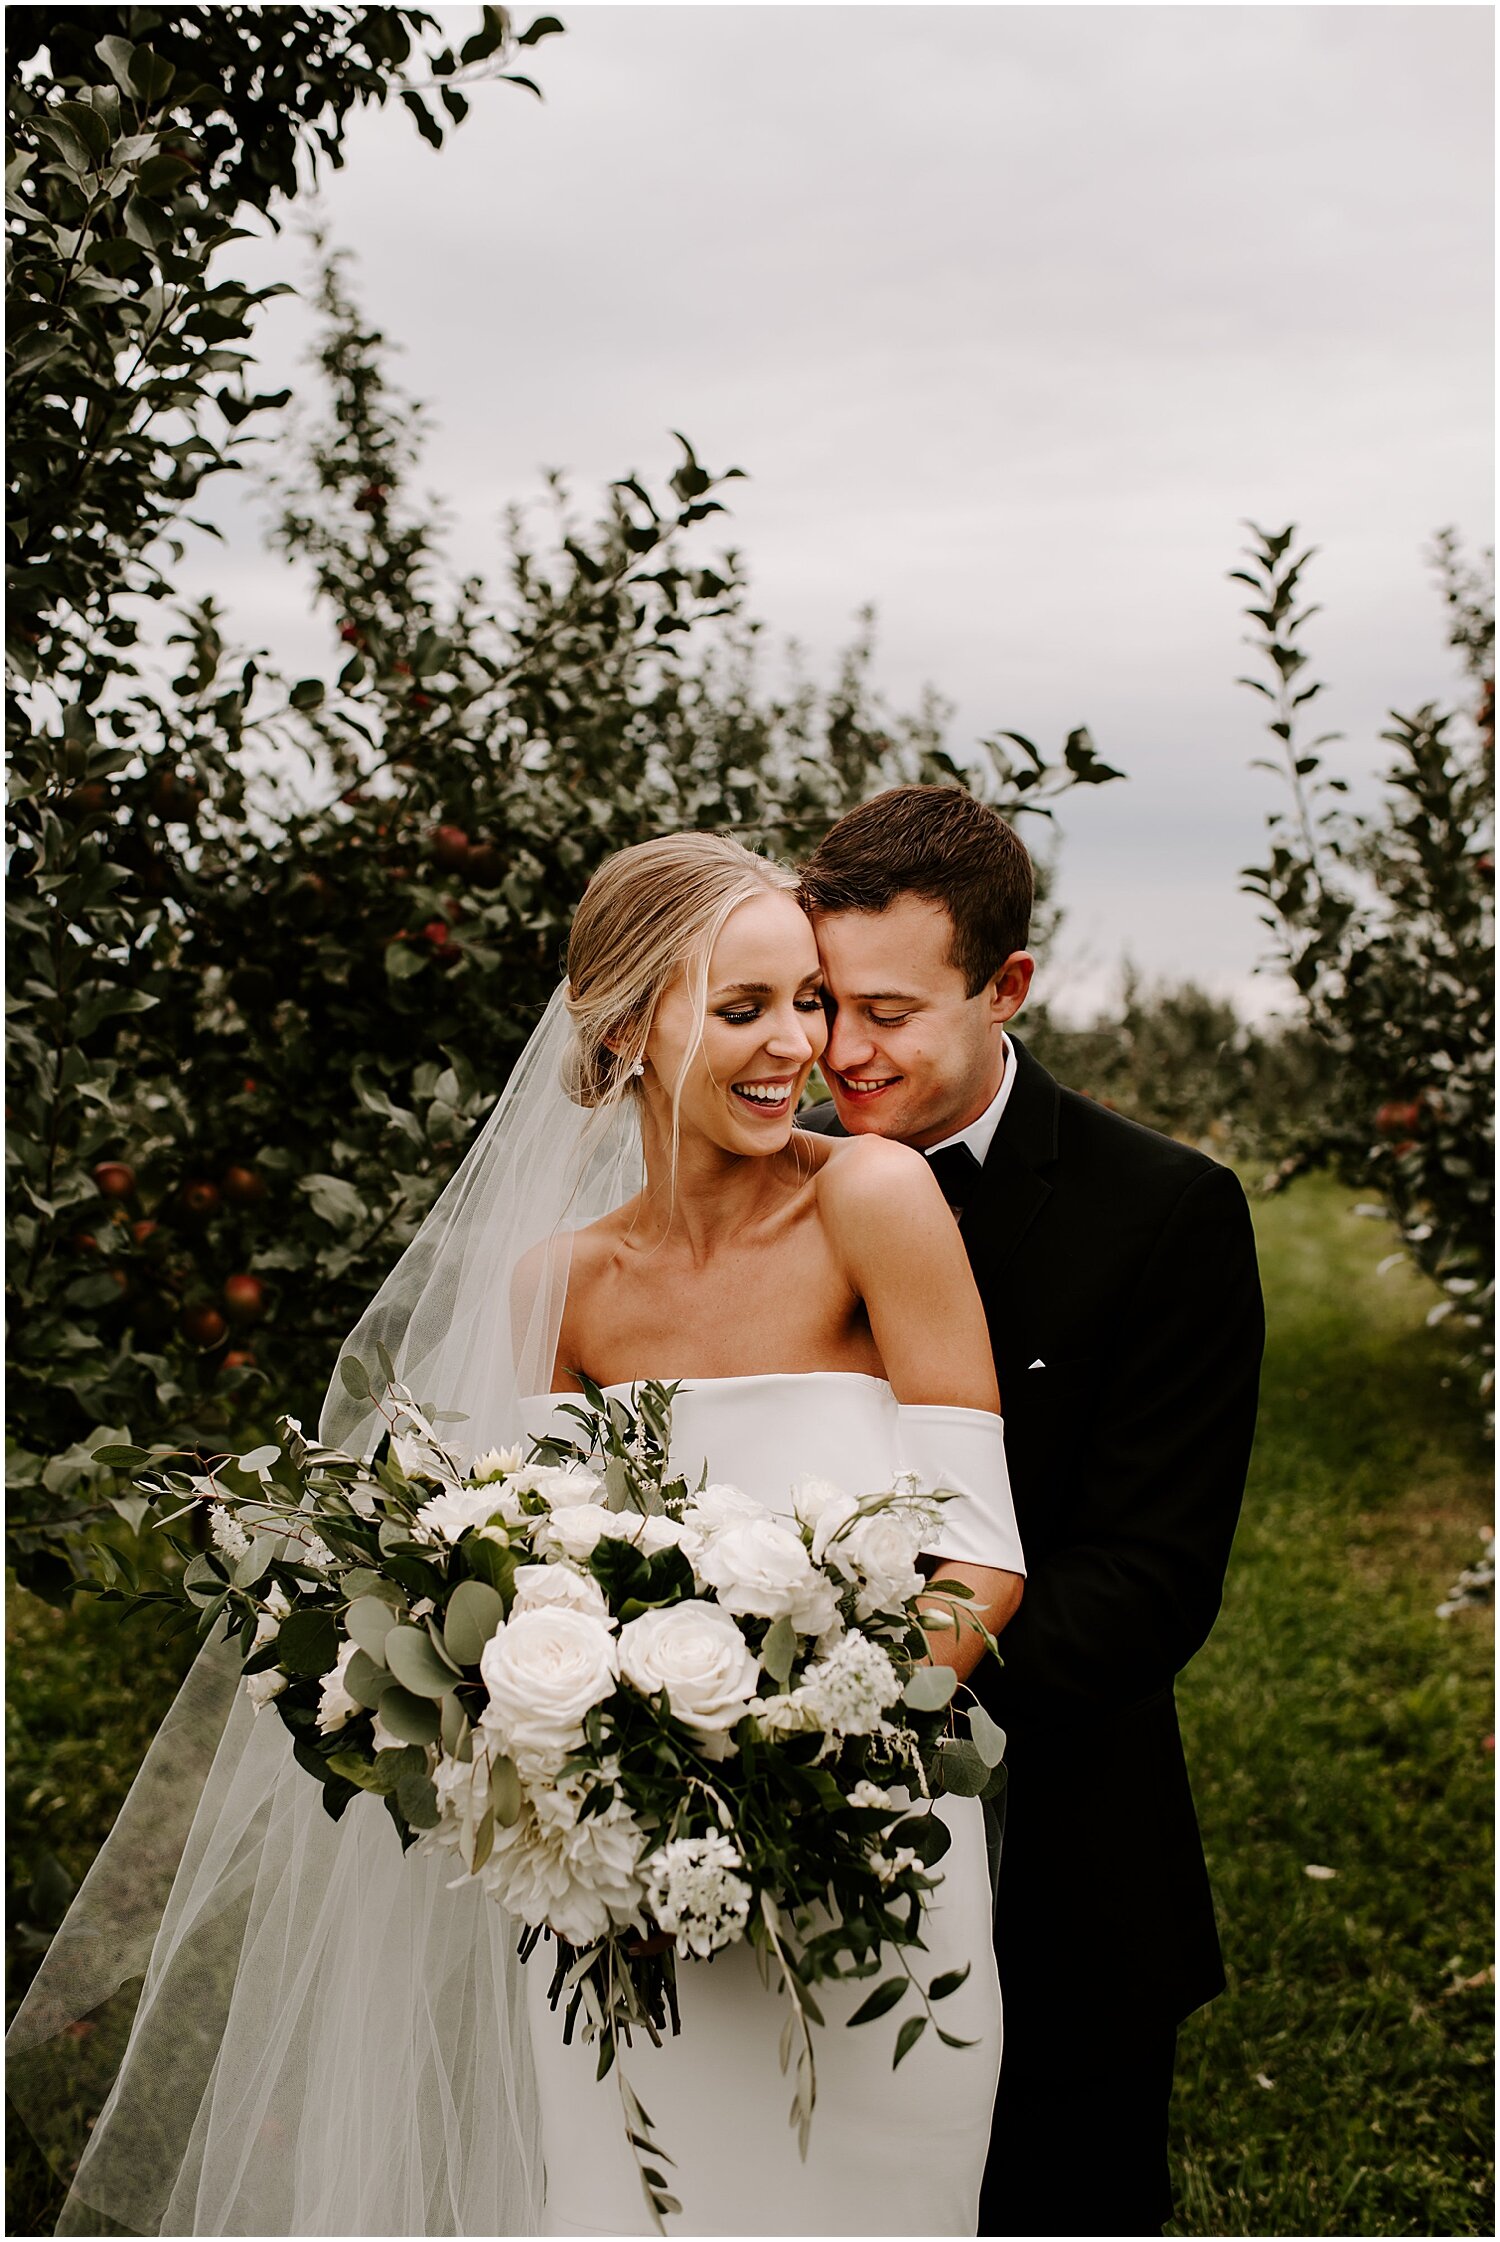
(275, 943)
(1384, 923)
(718, 1760)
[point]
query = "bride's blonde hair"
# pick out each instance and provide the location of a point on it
(648, 914)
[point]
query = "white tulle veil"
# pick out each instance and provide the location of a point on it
(306, 2031)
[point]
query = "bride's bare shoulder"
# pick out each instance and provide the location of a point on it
(860, 1173)
(570, 1258)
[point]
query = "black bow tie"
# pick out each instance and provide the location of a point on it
(957, 1171)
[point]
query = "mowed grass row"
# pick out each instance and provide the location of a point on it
(1342, 2084)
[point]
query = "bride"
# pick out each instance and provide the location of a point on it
(330, 2039)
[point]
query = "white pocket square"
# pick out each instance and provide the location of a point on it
(1037, 1365)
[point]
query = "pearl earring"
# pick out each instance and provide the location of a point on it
(639, 1068)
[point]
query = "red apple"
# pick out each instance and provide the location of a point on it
(243, 1187)
(1398, 1117)
(204, 1327)
(450, 848)
(114, 1179)
(142, 1232)
(83, 1241)
(436, 932)
(244, 1299)
(239, 1358)
(200, 1198)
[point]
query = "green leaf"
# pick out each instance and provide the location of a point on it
(505, 1792)
(880, 2002)
(122, 1459)
(308, 693)
(927, 1835)
(369, 1620)
(414, 1659)
(413, 1719)
(989, 1740)
(89, 126)
(779, 1649)
(260, 1458)
(545, 27)
(352, 1373)
(929, 1689)
(357, 1770)
(908, 2036)
(948, 1982)
(474, 1612)
(484, 1839)
(117, 56)
(417, 1799)
(308, 1642)
(366, 1681)
(256, 1562)
(961, 1768)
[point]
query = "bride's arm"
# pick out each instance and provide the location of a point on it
(896, 1238)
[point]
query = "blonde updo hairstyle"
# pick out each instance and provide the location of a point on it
(649, 914)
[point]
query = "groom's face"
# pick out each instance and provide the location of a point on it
(911, 1054)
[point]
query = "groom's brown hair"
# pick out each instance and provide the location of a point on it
(943, 844)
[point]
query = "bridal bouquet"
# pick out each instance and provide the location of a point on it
(651, 1719)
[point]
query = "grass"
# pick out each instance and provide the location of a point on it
(1341, 2086)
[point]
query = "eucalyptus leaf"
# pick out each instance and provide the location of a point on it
(929, 1688)
(308, 1642)
(414, 1719)
(369, 1620)
(907, 2038)
(779, 1649)
(475, 1611)
(505, 1792)
(365, 1681)
(989, 1740)
(414, 1660)
(961, 1768)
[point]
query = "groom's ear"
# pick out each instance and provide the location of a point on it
(1008, 990)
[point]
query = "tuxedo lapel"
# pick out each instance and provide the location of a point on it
(1014, 1185)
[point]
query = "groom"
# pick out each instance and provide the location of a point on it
(1117, 1270)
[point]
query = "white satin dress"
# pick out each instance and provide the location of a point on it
(892, 2152)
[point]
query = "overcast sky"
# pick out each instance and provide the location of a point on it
(1012, 314)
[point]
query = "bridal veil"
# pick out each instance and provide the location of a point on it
(327, 2038)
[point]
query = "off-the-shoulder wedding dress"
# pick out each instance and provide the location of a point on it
(892, 2151)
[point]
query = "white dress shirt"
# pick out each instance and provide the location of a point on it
(980, 1134)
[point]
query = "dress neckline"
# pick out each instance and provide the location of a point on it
(740, 1378)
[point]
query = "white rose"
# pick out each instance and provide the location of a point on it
(696, 1653)
(578, 1529)
(335, 1705)
(261, 1688)
(543, 1670)
(826, 1509)
(762, 1568)
(269, 1622)
(538, 1586)
(559, 1485)
(719, 1505)
(882, 1549)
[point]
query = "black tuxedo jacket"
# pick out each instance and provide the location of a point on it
(1117, 1270)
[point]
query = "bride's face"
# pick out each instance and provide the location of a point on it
(763, 1031)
